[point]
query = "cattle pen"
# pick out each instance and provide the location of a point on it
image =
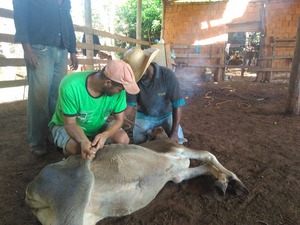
(240, 121)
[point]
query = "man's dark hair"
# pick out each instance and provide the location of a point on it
(103, 77)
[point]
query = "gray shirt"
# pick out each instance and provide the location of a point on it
(157, 98)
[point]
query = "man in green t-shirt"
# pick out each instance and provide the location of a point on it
(85, 101)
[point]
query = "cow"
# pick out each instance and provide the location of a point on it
(120, 180)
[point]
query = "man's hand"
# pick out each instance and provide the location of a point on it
(99, 141)
(29, 56)
(74, 61)
(86, 150)
(174, 136)
(93, 154)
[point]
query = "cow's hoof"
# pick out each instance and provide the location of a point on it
(238, 187)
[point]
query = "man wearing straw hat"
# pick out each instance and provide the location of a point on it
(159, 102)
(86, 100)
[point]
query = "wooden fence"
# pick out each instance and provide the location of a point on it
(19, 62)
(277, 59)
(209, 56)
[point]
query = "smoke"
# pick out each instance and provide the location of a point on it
(191, 80)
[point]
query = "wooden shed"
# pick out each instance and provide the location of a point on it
(198, 32)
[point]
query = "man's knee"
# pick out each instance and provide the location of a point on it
(121, 137)
(71, 148)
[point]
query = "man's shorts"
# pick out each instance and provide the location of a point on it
(61, 137)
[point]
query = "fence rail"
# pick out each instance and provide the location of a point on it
(209, 56)
(92, 62)
(213, 56)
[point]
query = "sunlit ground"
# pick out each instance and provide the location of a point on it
(13, 93)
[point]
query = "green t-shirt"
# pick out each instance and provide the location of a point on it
(91, 112)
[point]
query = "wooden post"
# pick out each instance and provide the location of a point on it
(221, 61)
(162, 20)
(89, 37)
(293, 103)
(261, 63)
(139, 21)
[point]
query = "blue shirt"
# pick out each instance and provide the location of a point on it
(45, 23)
(160, 96)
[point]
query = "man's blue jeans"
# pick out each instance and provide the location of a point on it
(43, 84)
(144, 125)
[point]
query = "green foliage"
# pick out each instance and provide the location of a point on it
(249, 42)
(254, 40)
(151, 20)
(237, 38)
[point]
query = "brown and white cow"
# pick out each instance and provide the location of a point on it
(120, 180)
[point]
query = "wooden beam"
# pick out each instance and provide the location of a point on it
(205, 66)
(88, 37)
(12, 62)
(276, 57)
(198, 56)
(99, 47)
(109, 35)
(283, 44)
(274, 69)
(250, 26)
(293, 102)
(254, 68)
(6, 13)
(13, 83)
(7, 38)
(139, 20)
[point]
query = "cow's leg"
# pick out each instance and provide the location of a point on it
(190, 173)
(213, 167)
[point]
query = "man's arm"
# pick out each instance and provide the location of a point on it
(29, 56)
(129, 110)
(82, 143)
(72, 47)
(131, 103)
(177, 112)
(74, 60)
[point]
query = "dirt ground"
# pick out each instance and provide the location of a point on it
(239, 121)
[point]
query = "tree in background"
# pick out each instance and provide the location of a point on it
(125, 23)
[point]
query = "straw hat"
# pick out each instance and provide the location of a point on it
(139, 60)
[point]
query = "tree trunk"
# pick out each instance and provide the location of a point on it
(293, 103)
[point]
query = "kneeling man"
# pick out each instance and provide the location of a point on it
(86, 100)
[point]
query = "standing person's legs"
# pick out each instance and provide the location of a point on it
(39, 80)
(60, 70)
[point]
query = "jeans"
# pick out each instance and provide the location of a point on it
(43, 84)
(143, 127)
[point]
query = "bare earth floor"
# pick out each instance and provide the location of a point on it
(241, 122)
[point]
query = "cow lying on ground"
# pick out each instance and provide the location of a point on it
(120, 180)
